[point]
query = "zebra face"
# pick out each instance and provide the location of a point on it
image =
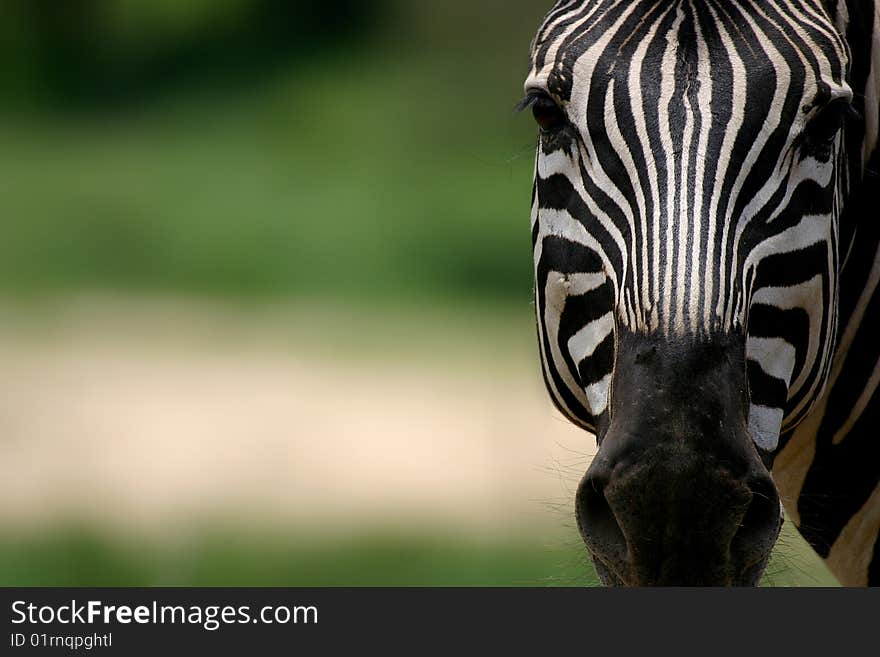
(685, 227)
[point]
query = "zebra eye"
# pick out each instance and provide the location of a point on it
(548, 114)
(824, 126)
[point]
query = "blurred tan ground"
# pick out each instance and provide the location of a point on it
(147, 415)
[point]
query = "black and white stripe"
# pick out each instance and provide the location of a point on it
(700, 186)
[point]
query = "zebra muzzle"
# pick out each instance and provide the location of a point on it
(678, 494)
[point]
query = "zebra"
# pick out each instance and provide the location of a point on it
(705, 222)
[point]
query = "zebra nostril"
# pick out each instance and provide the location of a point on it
(760, 525)
(596, 520)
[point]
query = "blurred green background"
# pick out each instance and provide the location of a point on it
(264, 254)
(266, 148)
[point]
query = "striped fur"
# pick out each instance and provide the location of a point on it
(689, 194)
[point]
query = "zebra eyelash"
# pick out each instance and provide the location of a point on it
(530, 99)
(549, 115)
(817, 138)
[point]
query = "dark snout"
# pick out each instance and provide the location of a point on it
(678, 494)
(676, 518)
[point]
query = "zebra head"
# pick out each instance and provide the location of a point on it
(685, 211)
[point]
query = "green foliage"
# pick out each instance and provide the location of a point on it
(245, 558)
(78, 558)
(266, 149)
(365, 177)
(95, 54)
